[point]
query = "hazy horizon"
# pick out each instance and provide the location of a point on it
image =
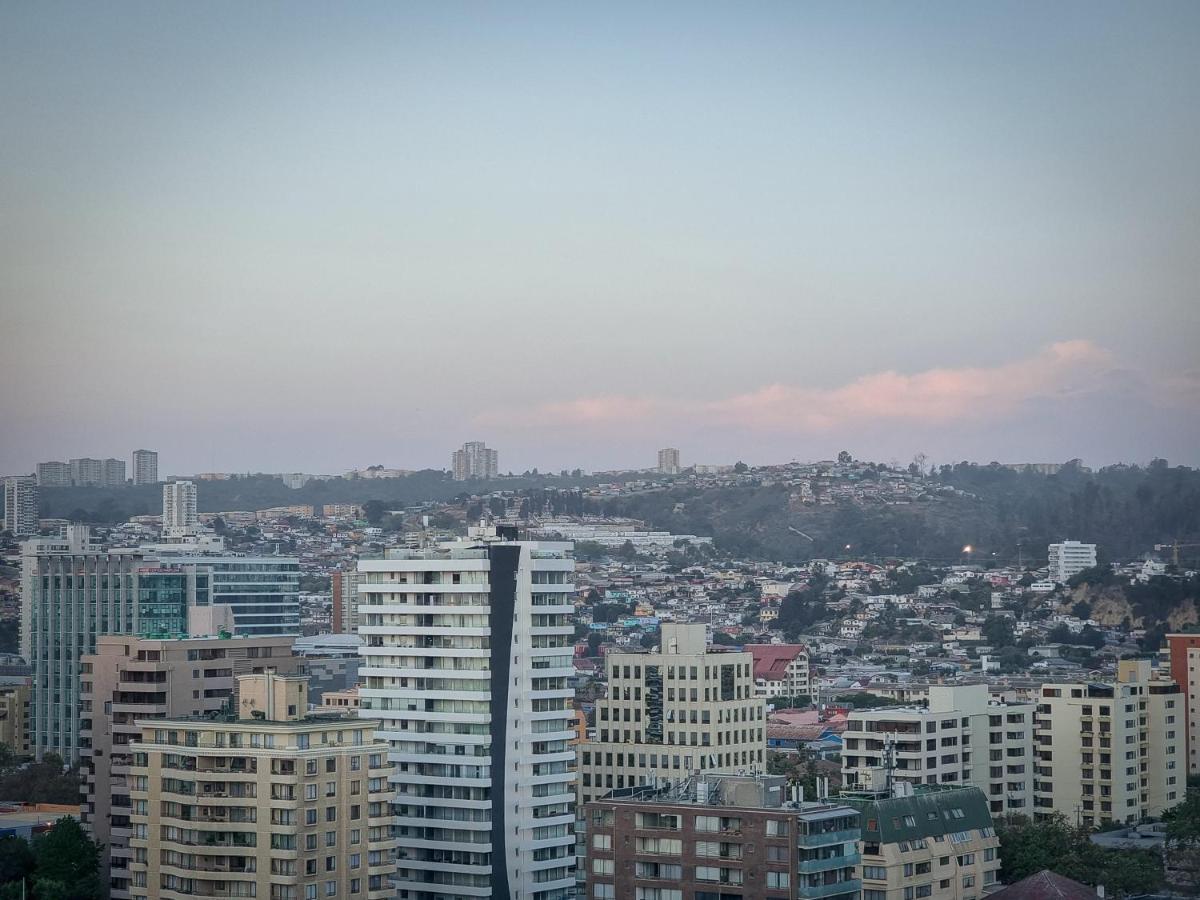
(295, 237)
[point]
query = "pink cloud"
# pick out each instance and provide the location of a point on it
(934, 396)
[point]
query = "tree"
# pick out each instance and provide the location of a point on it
(740, 467)
(998, 631)
(844, 457)
(373, 511)
(724, 639)
(649, 640)
(68, 857)
(16, 859)
(594, 641)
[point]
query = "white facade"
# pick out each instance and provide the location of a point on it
(54, 474)
(21, 505)
(467, 654)
(668, 461)
(145, 467)
(475, 460)
(1070, 558)
(179, 507)
(961, 738)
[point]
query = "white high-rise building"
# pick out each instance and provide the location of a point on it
(668, 461)
(1070, 558)
(475, 460)
(21, 505)
(468, 651)
(53, 474)
(179, 507)
(145, 467)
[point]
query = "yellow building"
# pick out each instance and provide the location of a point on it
(14, 718)
(275, 804)
(1111, 752)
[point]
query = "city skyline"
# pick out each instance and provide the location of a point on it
(793, 229)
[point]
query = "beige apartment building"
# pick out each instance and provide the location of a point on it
(961, 737)
(931, 842)
(14, 717)
(1111, 752)
(270, 802)
(129, 680)
(671, 714)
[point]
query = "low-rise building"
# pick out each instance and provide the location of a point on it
(720, 836)
(781, 670)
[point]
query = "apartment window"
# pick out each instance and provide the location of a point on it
(602, 841)
(310, 892)
(778, 880)
(331, 864)
(331, 839)
(603, 866)
(968, 881)
(604, 891)
(310, 817)
(310, 767)
(776, 853)
(331, 889)
(310, 792)
(777, 828)
(876, 873)
(355, 860)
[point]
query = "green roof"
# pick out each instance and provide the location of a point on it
(928, 813)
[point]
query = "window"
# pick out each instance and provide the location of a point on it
(604, 891)
(968, 881)
(875, 873)
(602, 841)
(603, 866)
(776, 854)
(777, 828)
(331, 889)
(310, 792)
(778, 880)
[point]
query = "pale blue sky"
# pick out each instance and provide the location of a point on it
(317, 236)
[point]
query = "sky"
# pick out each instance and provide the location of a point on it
(315, 237)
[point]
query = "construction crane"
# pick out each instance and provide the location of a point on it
(1174, 548)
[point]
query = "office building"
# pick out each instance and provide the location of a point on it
(668, 461)
(960, 738)
(1185, 665)
(145, 467)
(21, 505)
(933, 842)
(1069, 558)
(130, 680)
(781, 670)
(1111, 752)
(268, 802)
(474, 460)
(465, 669)
(14, 717)
(721, 836)
(179, 514)
(672, 713)
(345, 601)
(53, 474)
(73, 591)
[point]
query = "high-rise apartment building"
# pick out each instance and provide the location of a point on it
(73, 592)
(179, 514)
(145, 467)
(1069, 558)
(933, 842)
(345, 601)
(721, 836)
(54, 474)
(960, 738)
(21, 505)
(114, 472)
(465, 670)
(14, 717)
(1185, 666)
(668, 461)
(129, 681)
(475, 460)
(270, 802)
(88, 472)
(672, 713)
(1111, 752)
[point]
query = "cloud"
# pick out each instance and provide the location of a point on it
(932, 397)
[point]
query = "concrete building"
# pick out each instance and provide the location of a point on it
(668, 461)
(145, 467)
(475, 460)
(1069, 558)
(960, 738)
(465, 670)
(1111, 752)
(345, 601)
(781, 670)
(673, 713)
(1184, 652)
(73, 592)
(271, 802)
(21, 505)
(14, 717)
(130, 680)
(53, 474)
(720, 836)
(932, 842)
(179, 514)
(88, 472)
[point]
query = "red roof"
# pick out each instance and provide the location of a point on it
(771, 660)
(1045, 885)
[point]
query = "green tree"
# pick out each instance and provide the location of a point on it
(373, 511)
(16, 859)
(67, 857)
(998, 631)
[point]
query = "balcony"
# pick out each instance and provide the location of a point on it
(826, 838)
(850, 886)
(809, 866)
